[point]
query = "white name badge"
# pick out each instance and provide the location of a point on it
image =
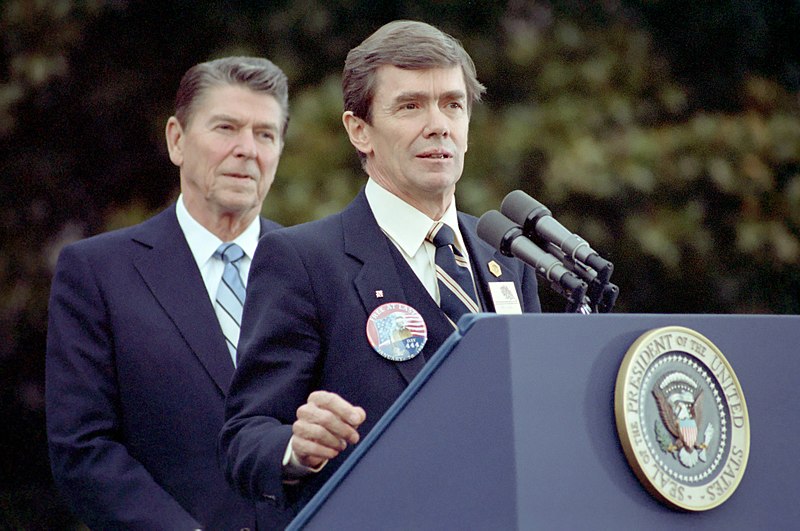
(504, 297)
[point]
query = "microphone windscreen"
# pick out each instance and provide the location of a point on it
(493, 227)
(517, 205)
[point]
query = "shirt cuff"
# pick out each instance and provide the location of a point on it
(293, 469)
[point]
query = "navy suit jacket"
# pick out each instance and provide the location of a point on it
(311, 290)
(136, 376)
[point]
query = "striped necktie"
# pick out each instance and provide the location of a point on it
(456, 290)
(230, 295)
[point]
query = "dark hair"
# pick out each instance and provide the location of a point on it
(405, 44)
(256, 73)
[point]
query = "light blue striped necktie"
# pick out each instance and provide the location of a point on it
(230, 295)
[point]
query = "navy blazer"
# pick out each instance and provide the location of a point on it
(136, 376)
(311, 290)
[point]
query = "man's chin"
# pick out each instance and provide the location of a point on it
(440, 183)
(439, 175)
(238, 202)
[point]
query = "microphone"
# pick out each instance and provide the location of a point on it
(506, 236)
(538, 223)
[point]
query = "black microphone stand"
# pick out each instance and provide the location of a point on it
(575, 295)
(601, 294)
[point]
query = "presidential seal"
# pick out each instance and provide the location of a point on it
(682, 418)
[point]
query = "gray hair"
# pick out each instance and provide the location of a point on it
(405, 44)
(256, 73)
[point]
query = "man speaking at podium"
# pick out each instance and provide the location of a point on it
(343, 312)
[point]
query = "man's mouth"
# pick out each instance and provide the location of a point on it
(435, 155)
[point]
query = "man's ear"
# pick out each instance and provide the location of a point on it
(174, 134)
(358, 131)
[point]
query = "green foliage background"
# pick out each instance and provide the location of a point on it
(665, 132)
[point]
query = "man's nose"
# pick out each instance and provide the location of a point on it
(437, 123)
(246, 144)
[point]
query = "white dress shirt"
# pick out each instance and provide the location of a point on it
(407, 227)
(203, 244)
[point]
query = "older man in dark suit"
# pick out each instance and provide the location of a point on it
(144, 321)
(343, 312)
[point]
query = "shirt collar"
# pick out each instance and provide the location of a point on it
(204, 243)
(403, 223)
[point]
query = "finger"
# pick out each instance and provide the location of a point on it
(319, 434)
(330, 424)
(343, 409)
(311, 453)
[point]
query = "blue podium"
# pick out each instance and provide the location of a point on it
(511, 426)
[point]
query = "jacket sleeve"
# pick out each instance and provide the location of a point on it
(106, 487)
(279, 347)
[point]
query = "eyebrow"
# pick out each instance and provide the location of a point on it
(451, 95)
(229, 118)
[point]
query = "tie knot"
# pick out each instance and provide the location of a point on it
(229, 253)
(441, 235)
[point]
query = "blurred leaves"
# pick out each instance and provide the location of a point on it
(36, 35)
(318, 150)
(602, 133)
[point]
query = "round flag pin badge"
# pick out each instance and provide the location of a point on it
(396, 331)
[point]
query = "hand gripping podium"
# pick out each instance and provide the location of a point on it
(511, 425)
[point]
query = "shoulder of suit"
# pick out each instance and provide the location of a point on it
(309, 229)
(468, 221)
(269, 225)
(120, 236)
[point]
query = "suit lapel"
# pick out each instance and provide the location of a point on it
(385, 270)
(481, 254)
(170, 272)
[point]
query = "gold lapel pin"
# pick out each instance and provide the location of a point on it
(494, 268)
(378, 293)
